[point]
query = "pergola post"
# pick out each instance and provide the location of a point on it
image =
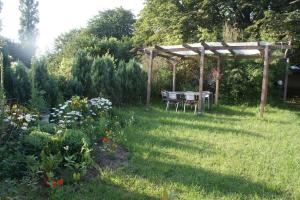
(149, 82)
(201, 63)
(264, 92)
(286, 79)
(174, 76)
(218, 80)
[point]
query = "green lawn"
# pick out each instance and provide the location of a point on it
(228, 153)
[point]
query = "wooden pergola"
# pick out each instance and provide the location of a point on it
(219, 51)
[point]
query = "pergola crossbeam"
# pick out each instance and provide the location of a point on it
(206, 46)
(229, 49)
(168, 52)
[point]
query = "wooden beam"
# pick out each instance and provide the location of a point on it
(149, 82)
(229, 49)
(286, 79)
(168, 52)
(201, 76)
(174, 76)
(190, 48)
(250, 47)
(264, 92)
(208, 47)
(218, 81)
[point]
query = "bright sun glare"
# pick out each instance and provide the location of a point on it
(59, 16)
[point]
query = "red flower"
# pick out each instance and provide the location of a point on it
(54, 184)
(105, 139)
(60, 182)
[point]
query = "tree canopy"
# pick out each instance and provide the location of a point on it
(175, 21)
(115, 23)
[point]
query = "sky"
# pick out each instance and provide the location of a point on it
(59, 16)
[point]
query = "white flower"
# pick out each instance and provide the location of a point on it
(66, 148)
(24, 128)
(28, 118)
(59, 131)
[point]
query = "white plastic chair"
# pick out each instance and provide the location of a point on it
(172, 99)
(190, 100)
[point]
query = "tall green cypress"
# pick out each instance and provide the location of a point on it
(28, 28)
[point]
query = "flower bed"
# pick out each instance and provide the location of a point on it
(61, 152)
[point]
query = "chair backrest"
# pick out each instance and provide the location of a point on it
(172, 95)
(189, 96)
(164, 95)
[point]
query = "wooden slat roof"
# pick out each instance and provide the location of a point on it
(239, 49)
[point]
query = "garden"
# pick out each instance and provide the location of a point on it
(77, 123)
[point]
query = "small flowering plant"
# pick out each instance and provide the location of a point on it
(19, 117)
(74, 112)
(99, 105)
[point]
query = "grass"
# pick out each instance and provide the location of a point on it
(228, 153)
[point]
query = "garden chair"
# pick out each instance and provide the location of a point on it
(164, 95)
(172, 98)
(190, 99)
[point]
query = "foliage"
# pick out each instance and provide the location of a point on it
(103, 77)
(22, 86)
(173, 22)
(28, 30)
(36, 141)
(44, 84)
(37, 100)
(132, 82)
(117, 23)
(81, 71)
(69, 87)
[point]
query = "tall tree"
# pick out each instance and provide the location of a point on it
(28, 31)
(112, 23)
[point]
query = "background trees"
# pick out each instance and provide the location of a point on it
(190, 21)
(117, 23)
(28, 31)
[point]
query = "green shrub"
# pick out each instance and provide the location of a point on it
(36, 141)
(103, 77)
(74, 140)
(81, 71)
(44, 83)
(48, 128)
(132, 82)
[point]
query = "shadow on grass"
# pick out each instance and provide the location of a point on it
(191, 176)
(156, 118)
(202, 179)
(214, 129)
(179, 143)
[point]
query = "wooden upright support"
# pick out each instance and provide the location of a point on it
(201, 63)
(218, 81)
(286, 79)
(264, 92)
(174, 76)
(149, 82)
